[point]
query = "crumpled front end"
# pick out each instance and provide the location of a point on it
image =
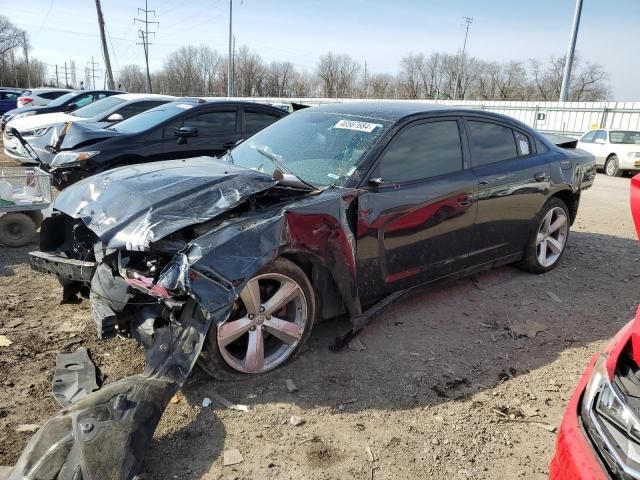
(162, 268)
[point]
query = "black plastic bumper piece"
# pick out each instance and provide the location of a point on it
(67, 269)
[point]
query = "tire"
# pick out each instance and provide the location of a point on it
(16, 229)
(552, 243)
(612, 167)
(37, 217)
(226, 356)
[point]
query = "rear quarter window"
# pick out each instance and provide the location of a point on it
(50, 95)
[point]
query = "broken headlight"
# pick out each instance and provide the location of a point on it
(612, 426)
(141, 271)
(71, 158)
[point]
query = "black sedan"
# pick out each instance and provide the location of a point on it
(66, 103)
(181, 129)
(334, 210)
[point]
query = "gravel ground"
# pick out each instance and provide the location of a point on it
(444, 389)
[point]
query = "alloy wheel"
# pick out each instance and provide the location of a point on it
(552, 236)
(266, 326)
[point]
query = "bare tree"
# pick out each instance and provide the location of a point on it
(337, 74)
(590, 84)
(132, 79)
(410, 75)
(382, 85)
(279, 79)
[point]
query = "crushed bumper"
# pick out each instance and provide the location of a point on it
(67, 269)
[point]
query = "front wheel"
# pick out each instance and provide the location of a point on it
(612, 167)
(549, 239)
(268, 325)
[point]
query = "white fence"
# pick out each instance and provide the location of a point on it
(568, 118)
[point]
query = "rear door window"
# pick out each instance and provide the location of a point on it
(130, 110)
(255, 120)
(219, 122)
(490, 142)
(50, 95)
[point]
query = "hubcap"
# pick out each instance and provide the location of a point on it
(266, 326)
(552, 236)
(611, 168)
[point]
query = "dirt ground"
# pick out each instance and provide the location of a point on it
(430, 396)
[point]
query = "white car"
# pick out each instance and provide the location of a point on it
(616, 151)
(39, 96)
(101, 114)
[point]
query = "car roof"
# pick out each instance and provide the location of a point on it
(197, 101)
(52, 89)
(394, 111)
(140, 96)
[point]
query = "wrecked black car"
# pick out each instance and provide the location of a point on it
(333, 210)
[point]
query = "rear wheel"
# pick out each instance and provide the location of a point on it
(612, 167)
(549, 239)
(16, 229)
(267, 327)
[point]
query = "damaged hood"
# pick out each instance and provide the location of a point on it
(79, 134)
(130, 207)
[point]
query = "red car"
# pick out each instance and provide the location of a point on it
(599, 437)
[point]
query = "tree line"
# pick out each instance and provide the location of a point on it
(202, 71)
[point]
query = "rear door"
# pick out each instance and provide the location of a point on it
(8, 101)
(513, 183)
(216, 130)
(416, 216)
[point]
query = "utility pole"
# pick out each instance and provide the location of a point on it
(144, 35)
(57, 80)
(230, 60)
(364, 92)
(468, 21)
(105, 50)
(93, 72)
(66, 76)
(26, 57)
(566, 77)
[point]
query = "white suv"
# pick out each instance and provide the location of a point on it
(616, 151)
(40, 96)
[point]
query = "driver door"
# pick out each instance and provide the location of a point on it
(416, 217)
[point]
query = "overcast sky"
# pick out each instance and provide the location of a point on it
(377, 31)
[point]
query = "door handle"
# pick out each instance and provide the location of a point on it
(541, 177)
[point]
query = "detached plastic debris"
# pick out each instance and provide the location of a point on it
(74, 377)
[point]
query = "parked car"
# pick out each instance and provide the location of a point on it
(65, 103)
(181, 129)
(8, 99)
(36, 97)
(39, 130)
(328, 211)
(599, 437)
(616, 151)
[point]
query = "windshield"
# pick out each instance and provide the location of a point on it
(98, 107)
(146, 120)
(319, 148)
(624, 136)
(61, 100)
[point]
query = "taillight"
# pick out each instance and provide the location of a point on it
(24, 100)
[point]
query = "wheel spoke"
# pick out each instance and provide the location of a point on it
(231, 331)
(554, 245)
(250, 296)
(560, 222)
(287, 292)
(254, 361)
(288, 332)
(542, 256)
(546, 223)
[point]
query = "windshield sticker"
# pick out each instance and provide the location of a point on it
(185, 106)
(359, 126)
(333, 175)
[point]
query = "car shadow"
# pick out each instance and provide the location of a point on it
(11, 257)
(437, 345)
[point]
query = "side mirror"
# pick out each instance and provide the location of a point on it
(71, 107)
(186, 132)
(600, 141)
(115, 117)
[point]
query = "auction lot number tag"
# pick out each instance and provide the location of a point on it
(359, 126)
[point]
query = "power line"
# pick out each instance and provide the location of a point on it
(144, 35)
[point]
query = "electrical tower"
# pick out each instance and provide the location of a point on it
(144, 33)
(93, 72)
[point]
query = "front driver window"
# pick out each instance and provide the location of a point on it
(423, 151)
(588, 138)
(84, 100)
(600, 135)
